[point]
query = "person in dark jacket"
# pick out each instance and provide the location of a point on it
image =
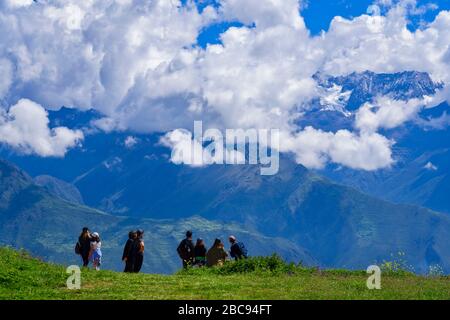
(126, 257)
(200, 253)
(237, 250)
(186, 250)
(137, 252)
(84, 241)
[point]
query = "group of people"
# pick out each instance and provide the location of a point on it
(89, 248)
(198, 256)
(133, 252)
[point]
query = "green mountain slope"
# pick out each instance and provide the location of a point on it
(47, 226)
(59, 188)
(23, 277)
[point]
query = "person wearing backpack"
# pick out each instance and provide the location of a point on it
(83, 246)
(137, 252)
(237, 250)
(126, 256)
(186, 250)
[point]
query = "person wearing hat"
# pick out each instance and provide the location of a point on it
(84, 246)
(96, 251)
(137, 252)
(200, 253)
(237, 250)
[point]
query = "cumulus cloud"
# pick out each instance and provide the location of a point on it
(315, 148)
(25, 127)
(189, 151)
(386, 113)
(385, 44)
(138, 63)
(18, 3)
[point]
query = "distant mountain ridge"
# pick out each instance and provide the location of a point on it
(338, 225)
(47, 226)
(60, 188)
(420, 174)
(367, 85)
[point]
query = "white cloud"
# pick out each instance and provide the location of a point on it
(189, 151)
(25, 127)
(130, 142)
(430, 166)
(6, 72)
(440, 123)
(137, 63)
(18, 3)
(264, 14)
(315, 148)
(388, 113)
(106, 124)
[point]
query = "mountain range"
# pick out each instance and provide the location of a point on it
(421, 152)
(335, 217)
(48, 226)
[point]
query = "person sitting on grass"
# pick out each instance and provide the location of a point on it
(216, 256)
(95, 254)
(200, 253)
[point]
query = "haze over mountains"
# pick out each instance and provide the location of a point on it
(327, 223)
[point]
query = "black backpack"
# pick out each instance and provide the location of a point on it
(243, 249)
(185, 250)
(78, 248)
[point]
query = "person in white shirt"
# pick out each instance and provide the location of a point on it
(96, 252)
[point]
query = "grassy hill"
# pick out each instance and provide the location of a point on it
(24, 277)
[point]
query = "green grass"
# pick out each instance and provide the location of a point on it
(23, 277)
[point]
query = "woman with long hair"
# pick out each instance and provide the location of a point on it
(84, 243)
(217, 255)
(200, 253)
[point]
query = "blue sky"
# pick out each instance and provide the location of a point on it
(141, 65)
(318, 15)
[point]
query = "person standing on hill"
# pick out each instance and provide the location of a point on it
(200, 253)
(126, 256)
(237, 250)
(217, 255)
(137, 252)
(95, 253)
(186, 250)
(83, 246)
